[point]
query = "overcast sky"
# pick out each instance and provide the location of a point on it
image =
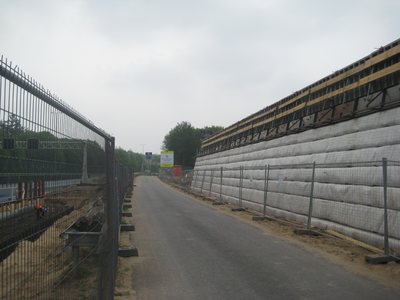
(136, 68)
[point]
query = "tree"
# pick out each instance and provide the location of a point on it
(184, 140)
(208, 130)
(131, 159)
(213, 128)
(12, 126)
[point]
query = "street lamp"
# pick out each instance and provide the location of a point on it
(143, 154)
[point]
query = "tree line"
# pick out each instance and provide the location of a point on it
(17, 159)
(183, 139)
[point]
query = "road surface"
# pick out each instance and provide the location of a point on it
(188, 250)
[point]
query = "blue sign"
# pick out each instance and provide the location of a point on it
(148, 155)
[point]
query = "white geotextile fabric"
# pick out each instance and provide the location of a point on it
(341, 188)
(368, 218)
(371, 238)
(347, 198)
(386, 120)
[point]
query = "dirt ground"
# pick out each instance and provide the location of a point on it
(44, 261)
(350, 256)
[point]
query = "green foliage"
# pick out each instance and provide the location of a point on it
(213, 128)
(12, 126)
(129, 158)
(45, 160)
(184, 140)
(134, 160)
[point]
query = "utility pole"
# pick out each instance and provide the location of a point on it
(143, 154)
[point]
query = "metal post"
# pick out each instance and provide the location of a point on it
(385, 214)
(266, 176)
(107, 278)
(43, 191)
(26, 190)
(31, 192)
(211, 181)
(240, 185)
(311, 198)
(85, 178)
(220, 189)
(35, 191)
(19, 194)
(195, 179)
(202, 181)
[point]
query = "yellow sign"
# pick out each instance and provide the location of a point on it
(167, 159)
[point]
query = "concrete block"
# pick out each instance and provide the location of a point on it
(382, 259)
(260, 218)
(299, 231)
(128, 251)
(238, 209)
(128, 227)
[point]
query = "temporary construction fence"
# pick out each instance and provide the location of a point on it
(184, 179)
(358, 200)
(61, 196)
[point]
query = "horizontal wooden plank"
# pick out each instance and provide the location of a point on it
(365, 80)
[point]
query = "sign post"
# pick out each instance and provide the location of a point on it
(148, 159)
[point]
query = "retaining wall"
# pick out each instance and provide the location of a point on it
(348, 195)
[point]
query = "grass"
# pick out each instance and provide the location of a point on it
(118, 284)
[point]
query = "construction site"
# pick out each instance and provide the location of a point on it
(326, 156)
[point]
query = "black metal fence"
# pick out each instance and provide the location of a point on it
(61, 195)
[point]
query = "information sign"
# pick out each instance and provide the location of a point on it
(148, 157)
(167, 159)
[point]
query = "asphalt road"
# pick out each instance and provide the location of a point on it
(188, 250)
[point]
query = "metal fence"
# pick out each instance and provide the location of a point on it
(358, 200)
(61, 195)
(184, 180)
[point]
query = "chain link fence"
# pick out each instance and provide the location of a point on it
(61, 196)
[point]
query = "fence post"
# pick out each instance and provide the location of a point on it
(195, 179)
(311, 198)
(240, 185)
(26, 189)
(385, 215)
(109, 243)
(202, 181)
(220, 189)
(211, 181)
(266, 177)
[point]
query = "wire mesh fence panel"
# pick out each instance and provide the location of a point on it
(289, 191)
(348, 198)
(57, 192)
